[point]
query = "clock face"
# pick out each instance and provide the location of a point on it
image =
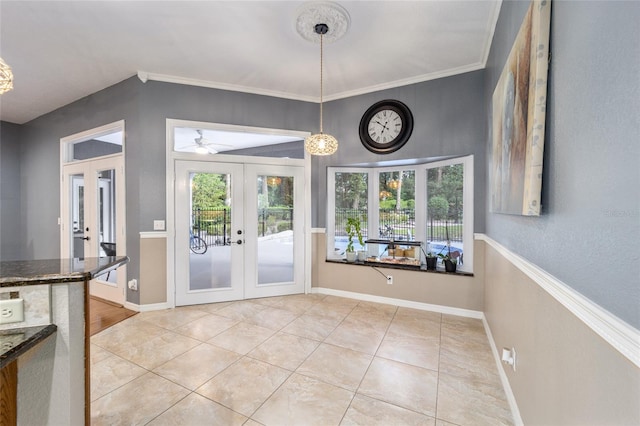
(386, 126)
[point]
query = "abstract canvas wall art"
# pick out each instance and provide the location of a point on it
(518, 118)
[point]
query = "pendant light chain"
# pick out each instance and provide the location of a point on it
(321, 36)
(321, 144)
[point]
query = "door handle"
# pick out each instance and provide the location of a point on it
(86, 238)
(239, 242)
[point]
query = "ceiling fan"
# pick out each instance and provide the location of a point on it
(205, 146)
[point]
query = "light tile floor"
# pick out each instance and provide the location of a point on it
(295, 360)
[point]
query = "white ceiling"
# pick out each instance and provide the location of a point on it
(61, 51)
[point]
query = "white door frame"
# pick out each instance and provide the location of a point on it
(172, 156)
(89, 168)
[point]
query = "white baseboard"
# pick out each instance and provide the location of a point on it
(399, 302)
(622, 336)
(146, 308)
(511, 398)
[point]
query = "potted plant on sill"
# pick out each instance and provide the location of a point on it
(354, 231)
(432, 261)
(450, 264)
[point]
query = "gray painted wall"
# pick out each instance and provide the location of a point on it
(449, 120)
(589, 230)
(10, 223)
(145, 108)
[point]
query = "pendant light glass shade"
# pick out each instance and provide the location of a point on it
(321, 144)
(6, 77)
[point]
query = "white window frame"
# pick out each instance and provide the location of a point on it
(421, 198)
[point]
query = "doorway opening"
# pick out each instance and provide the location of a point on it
(92, 203)
(239, 213)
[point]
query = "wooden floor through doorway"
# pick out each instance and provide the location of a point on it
(104, 314)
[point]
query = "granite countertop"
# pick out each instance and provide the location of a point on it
(16, 341)
(50, 271)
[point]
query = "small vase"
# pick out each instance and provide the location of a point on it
(431, 263)
(351, 256)
(449, 266)
(362, 255)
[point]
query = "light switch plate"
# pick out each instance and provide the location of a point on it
(11, 310)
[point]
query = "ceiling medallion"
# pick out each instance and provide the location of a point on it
(333, 15)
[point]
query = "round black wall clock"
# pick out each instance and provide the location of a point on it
(386, 126)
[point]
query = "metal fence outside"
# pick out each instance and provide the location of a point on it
(214, 225)
(399, 225)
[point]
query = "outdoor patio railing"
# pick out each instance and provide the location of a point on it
(399, 225)
(214, 225)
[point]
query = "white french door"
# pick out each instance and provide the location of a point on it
(92, 218)
(239, 231)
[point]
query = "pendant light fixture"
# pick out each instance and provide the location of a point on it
(320, 143)
(6, 77)
(324, 22)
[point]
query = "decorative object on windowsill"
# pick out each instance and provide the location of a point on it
(519, 111)
(449, 261)
(6, 77)
(330, 21)
(354, 230)
(386, 126)
(450, 265)
(432, 261)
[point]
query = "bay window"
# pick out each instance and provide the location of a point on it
(431, 203)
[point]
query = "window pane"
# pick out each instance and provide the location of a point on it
(351, 191)
(96, 147)
(444, 210)
(397, 205)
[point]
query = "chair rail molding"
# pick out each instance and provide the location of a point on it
(622, 336)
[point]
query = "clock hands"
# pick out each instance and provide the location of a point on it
(384, 126)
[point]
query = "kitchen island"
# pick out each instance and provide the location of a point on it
(44, 358)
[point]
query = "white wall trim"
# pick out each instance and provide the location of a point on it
(147, 308)
(511, 398)
(622, 336)
(153, 234)
(318, 230)
(400, 302)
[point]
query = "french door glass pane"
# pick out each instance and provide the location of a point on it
(275, 229)
(209, 231)
(77, 215)
(107, 217)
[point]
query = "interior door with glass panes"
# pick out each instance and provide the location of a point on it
(93, 201)
(209, 264)
(274, 224)
(239, 231)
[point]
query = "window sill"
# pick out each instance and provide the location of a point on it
(421, 268)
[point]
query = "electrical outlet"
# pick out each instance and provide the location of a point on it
(389, 279)
(11, 310)
(158, 225)
(133, 284)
